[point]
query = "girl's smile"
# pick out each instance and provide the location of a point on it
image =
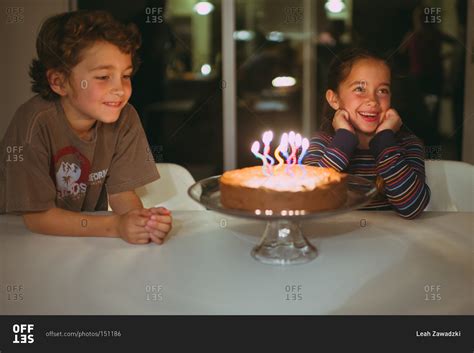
(364, 94)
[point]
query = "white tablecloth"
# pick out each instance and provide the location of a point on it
(368, 263)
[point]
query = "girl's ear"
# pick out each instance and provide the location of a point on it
(57, 82)
(332, 99)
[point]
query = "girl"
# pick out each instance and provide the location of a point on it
(364, 135)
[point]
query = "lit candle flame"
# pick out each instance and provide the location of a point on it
(304, 148)
(298, 140)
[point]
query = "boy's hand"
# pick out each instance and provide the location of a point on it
(158, 224)
(341, 120)
(390, 120)
(131, 226)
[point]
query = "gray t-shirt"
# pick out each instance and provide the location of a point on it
(44, 164)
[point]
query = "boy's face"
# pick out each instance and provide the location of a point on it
(99, 86)
(365, 94)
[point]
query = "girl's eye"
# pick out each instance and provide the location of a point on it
(127, 77)
(384, 91)
(102, 77)
(359, 89)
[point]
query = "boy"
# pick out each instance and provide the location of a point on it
(78, 142)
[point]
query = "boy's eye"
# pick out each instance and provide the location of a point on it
(384, 91)
(359, 89)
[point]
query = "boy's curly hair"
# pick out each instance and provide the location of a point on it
(62, 39)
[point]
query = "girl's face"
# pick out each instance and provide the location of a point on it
(99, 86)
(364, 94)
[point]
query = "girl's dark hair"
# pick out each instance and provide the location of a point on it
(62, 39)
(339, 68)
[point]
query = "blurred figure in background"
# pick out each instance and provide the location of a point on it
(328, 45)
(423, 46)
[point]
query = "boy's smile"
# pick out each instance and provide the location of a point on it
(98, 88)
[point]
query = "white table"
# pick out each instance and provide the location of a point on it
(368, 263)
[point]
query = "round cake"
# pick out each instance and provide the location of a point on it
(298, 188)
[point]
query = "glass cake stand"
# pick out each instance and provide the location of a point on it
(282, 242)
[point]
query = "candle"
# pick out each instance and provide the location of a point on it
(290, 144)
(282, 148)
(267, 139)
(291, 140)
(255, 150)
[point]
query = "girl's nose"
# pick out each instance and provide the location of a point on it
(372, 100)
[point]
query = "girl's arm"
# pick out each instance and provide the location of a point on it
(335, 153)
(403, 171)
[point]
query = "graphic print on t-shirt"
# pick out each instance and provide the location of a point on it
(71, 172)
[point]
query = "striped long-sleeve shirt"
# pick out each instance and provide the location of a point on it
(399, 162)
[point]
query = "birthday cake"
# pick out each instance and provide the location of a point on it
(300, 189)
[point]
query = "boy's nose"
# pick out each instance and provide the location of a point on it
(118, 90)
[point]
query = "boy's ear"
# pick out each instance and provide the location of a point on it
(57, 82)
(332, 99)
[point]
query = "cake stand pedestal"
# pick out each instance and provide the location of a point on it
(283, 242)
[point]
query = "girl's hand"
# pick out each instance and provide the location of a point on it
(390, 120)
(341, 120)
(159, 224)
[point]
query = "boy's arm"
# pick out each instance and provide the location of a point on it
(130, 226)
(123, 202)
(57, 221)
